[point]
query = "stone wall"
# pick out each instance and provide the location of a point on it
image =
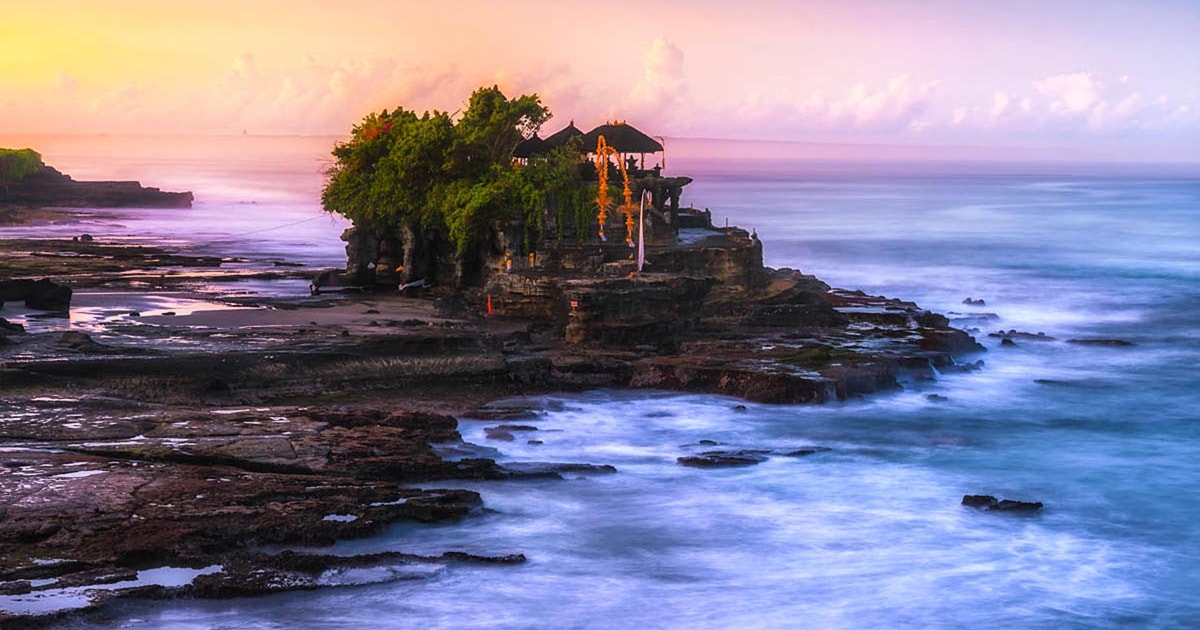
(651, 310)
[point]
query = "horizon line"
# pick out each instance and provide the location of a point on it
(1001, 153)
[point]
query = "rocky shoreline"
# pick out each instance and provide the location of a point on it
(194, 441)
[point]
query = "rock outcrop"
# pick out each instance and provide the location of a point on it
(42, 295)
(50, 188)
(990, 503)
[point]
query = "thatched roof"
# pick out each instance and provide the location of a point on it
(622, 137)
(560, 137)
(530, 147)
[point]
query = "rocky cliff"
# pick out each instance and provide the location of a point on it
(50, 188)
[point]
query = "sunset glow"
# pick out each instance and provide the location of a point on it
(1103, 79)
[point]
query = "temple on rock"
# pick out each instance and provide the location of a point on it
(620, 229)
(630, 203)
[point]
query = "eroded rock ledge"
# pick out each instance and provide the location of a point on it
(91, 499)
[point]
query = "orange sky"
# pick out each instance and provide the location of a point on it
(1108, 76)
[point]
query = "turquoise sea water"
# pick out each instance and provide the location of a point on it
(869, 534)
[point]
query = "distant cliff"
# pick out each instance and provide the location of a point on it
(47, 187)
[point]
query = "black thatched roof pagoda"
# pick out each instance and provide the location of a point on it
(560, 137)
(622, 137)
(530, 147)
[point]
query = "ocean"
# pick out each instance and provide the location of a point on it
(867, 534)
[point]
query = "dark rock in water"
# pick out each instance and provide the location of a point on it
(963, 367)
(717, 461)
(9, 327)
(936, 398)
(1024, 336)
(522, 470)
(802, 452)
(979, 500)
(515, 427)
(1007, 342)
(1083, 383)
(708, 443)
(1008, 505)
(739, 407)
(974, 302)
(949, 341)
(501, 413)
(498, 434)
(959, 320)
(1115, 343)
(722, 459)
(992, 504)
(929, 319)
(42, 295)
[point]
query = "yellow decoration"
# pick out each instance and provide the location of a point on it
(603, 151)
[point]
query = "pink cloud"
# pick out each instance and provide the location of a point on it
(901, 105)
(662, 86)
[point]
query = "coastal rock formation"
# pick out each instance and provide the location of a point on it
(42, 295)
(652, 310)
(722, 459)
(50, 188)
(247, 574)
(189, 488)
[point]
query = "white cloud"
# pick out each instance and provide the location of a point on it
(662, 89)
(1071, 94)
(1069, 105)
(960, 116)
(1001, 102)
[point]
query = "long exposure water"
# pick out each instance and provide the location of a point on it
(871, 533)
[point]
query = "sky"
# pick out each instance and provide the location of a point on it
(1103, 79)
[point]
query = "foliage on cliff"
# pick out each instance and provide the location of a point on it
(17, 164)
(457, 177)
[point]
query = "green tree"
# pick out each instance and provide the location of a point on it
(456, 178)
(17, 164)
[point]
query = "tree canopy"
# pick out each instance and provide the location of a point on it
(17, 164)
(456, 176)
